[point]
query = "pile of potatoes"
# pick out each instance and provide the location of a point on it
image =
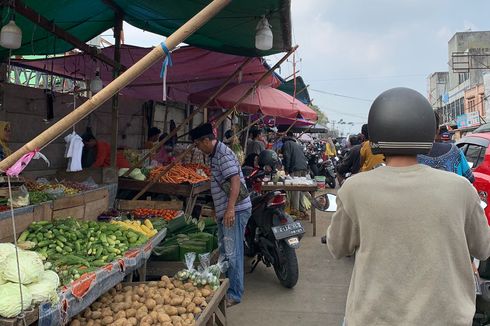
(169, 302)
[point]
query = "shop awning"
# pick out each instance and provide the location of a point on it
(298, 89)
(193, 70)
(268, 100)
(231, 31)
(288, 122)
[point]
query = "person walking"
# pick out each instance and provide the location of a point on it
(412, 242)
(231, 202)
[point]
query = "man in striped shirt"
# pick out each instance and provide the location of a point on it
(232, 216)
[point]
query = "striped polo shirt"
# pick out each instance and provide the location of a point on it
(224, 165)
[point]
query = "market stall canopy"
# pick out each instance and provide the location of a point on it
(287, 122)
(193, 70)
(298, 89)
(231, 31)
(268, 100)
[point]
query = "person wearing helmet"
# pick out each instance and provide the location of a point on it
(412, 228)
(231, 202)
(446, 156)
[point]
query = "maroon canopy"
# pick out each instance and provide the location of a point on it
(193, 70)
(268, 100)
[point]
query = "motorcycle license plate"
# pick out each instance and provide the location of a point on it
(288, 230)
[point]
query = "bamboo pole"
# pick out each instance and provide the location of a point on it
(217, 123)
(291, 126)
(119, 83)
(247, 128)
(157, 146)
(115, 98)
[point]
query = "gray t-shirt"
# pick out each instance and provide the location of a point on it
(255, 146)
(413, 230)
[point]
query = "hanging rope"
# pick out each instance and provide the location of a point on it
(12, 216)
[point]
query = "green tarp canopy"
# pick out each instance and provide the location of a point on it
(301, 89)
(231, 31)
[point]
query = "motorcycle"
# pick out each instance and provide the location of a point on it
(271, 235)
(320, 167)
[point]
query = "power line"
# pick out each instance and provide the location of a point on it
(341, 95)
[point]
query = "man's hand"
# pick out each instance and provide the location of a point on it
(229, 218)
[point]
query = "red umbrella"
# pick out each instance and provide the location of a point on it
(268, 100)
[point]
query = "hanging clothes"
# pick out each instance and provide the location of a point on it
(74, 149)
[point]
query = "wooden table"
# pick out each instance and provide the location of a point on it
(303, 188)
(184, 189)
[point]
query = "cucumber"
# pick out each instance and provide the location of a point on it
(23, 236)
(58, 249)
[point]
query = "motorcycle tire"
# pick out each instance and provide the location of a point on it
(288, 272)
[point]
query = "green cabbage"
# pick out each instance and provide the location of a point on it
(5, 250)
(10, 304)
(45, 288)
(31, 267)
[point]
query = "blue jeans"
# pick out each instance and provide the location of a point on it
(230, 241)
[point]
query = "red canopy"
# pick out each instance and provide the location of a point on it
(193, 70)
(270, 101)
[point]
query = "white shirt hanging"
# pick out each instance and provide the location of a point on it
(74, 148)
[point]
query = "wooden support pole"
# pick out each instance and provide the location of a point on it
(115, 99)
(116, 85)
(48, 25)
(247, 128)
(216, 124)
(158, 145)
(291, 126)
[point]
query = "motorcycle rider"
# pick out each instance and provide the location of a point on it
(412, 242)
(368, 160)
(232, 215)
(446, 156)
(352, 160)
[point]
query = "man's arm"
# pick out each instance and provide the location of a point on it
(342, 234)
(229, 217)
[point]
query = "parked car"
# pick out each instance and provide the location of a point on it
(477, 152)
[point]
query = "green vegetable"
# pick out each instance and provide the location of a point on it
(45, 288)
(31, 267)
(10, 302)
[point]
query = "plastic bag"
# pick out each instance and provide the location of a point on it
(185, 274)
(20, 198)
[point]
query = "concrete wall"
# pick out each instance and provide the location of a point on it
(26, 108)
(475, 42)
(474, 100)
(437, 87)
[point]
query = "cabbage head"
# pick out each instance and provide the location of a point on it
(31, 267)
(10, 305)
(5, 250)
(45, 289)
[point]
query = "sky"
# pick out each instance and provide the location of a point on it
(359, 48)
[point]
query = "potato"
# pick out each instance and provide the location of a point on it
(198, 300)
(130, 312)
(150, 304)
(106, 312)
(176, 319)
(87, 313)
(190, 307)
(197, 311)
(147, 319)
(142, 312)
(75, 322)
(168, 323)
(159, 300)
(91, 323)
(133, 321)
(181, 310)
(107, 320)
(96, 305)
(176, 301)
(141, 291)
(171, 311)
(120, 314)
(118, 298)
(135, 297)
(163, 317)
(96, 314)
(205, 293)
(186, 302)
(137, 305)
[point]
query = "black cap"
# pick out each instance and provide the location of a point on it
(201, 131)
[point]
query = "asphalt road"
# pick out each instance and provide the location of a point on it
(318, 298)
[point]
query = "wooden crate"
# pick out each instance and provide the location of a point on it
(153, 204)
(22, 221)
(157, 268)
(31, 316)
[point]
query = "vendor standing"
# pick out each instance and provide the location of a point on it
(4, 139)
(153, 135)
(97, 153)
(232, 214)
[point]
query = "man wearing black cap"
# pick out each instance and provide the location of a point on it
(232, 213)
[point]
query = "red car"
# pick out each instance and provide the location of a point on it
(476, 149)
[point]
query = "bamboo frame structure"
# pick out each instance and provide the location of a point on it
(216, 124)
(155, 55)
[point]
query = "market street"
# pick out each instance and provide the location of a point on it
(317, 299)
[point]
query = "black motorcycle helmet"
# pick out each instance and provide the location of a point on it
(401, 122)
(268, 158)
